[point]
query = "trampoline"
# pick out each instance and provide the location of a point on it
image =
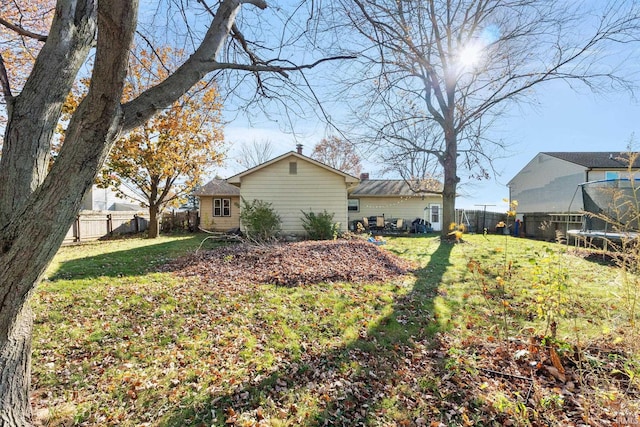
(612, 209)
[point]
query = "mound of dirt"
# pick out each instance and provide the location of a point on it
(293, 264)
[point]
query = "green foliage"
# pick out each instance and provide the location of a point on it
(260, 220)
(320, 226)
(550, 287)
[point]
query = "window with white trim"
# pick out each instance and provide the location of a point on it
(221, 207)
(353, 205)
(435, 214)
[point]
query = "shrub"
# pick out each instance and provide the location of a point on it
(260, 220)
(320, 226)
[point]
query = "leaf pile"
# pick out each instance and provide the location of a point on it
(293, 264)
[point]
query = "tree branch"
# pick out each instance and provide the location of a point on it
(282, 70)
(4, 81)
(140, 109)
(22, 31)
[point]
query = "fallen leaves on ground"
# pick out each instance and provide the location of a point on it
(310, 333)
(292, 264)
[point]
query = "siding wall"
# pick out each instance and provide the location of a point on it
(394, 207)
(219, 223)
(548, 184)
(312, 188)
(102, 199)
(600, 174)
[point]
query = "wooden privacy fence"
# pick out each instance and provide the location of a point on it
(95, 225)
(180, 221)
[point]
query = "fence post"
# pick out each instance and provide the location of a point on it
(137, 226)
(109, 225)
(77, 225)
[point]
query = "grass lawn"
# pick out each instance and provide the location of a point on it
(486, 332)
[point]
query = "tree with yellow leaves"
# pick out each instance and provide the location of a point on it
(40, 200)
(160, 162)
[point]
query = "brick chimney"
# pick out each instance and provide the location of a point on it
(299, 148)
(364, 175)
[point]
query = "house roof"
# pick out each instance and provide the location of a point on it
(235, 179)
(217, 187)
(389, 188)
(598, 159)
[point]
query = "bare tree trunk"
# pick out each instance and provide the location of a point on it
(15, 372)
(25, 157)
(450, 167)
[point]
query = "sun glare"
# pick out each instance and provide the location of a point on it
(474, 52)
(470, 55)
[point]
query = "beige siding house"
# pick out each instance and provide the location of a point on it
(293, 183)
(549, 183)
(394, 199)
(219, 205)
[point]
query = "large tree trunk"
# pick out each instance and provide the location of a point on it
(15, 372)
(25, 160)
(449, 162)
(449, 197)
(37, 225)
(36, 211)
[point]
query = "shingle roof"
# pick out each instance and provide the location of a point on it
(390, 187)
(600, 159)
(236, 179)
(218, 187)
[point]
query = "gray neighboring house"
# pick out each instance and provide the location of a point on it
(548, 187)
(105, 199)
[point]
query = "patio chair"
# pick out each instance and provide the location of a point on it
(380, 222)
(365, 222)
(399, 224)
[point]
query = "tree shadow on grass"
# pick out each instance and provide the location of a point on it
(128, 262)
(388, 373)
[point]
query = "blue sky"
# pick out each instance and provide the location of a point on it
(563, 120)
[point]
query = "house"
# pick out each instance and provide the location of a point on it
(105, 199)
(548, 188)
(394, 199)
(219, 205)
(293, 183)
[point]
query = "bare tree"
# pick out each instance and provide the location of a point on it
(437, 74)
(38, 203)
(339, 154)
(255, 153)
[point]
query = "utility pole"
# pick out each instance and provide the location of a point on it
(484, 217)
